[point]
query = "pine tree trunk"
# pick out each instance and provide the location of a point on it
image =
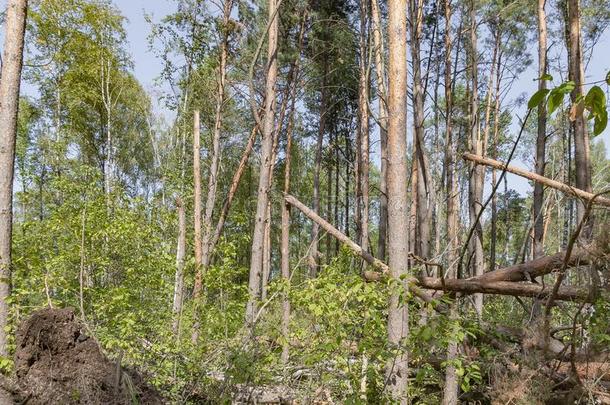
(451, 388)
(258, 236)
(363, 128)
(421, 241)
(477, 178)
(541, 137)
(314, 254)
(398, 315)
(383, 128)
(582, 160)
(12, 61)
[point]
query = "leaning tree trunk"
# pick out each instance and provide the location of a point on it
(258, 236)
(208, 235)
(398, 313)
(12, 61)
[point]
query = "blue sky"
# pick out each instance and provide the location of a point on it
(147, 67)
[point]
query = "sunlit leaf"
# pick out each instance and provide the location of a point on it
(537, 98)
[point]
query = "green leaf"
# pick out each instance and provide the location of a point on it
(595, 101)
(555, 99)
(546, 76)
(566, 87)
(537, 98)
(601, 121)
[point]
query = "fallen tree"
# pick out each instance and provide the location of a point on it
(355, 248)
(516, 289)
(538, 267)
(538, 178)
(504, 281)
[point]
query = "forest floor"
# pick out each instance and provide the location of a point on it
(57, 362)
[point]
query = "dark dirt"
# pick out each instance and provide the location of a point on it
(57, 363)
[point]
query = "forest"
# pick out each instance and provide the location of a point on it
(319, 202)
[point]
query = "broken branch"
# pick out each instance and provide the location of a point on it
(537, 178)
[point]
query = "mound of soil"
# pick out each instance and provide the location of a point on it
(57, 363)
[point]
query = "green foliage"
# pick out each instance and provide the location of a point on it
(594, 101)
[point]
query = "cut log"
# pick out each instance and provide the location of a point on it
(538, 178)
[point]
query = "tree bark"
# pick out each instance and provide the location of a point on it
(12, 62)
(258, 236)
(398, 313)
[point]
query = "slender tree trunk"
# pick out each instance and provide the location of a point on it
(314, 254)
(197, 205)
(12, 61)
(421, 242)
(478, 172)
(285, 236)
(398, 314)
(541, 137)
(241, 167)
(451, 388)
(363, 127)
(582, 158)
(216, 151)
(383, 128)
(494, 148)
(180, 254)
(266, 252)
(258, 236)
(331, 168)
